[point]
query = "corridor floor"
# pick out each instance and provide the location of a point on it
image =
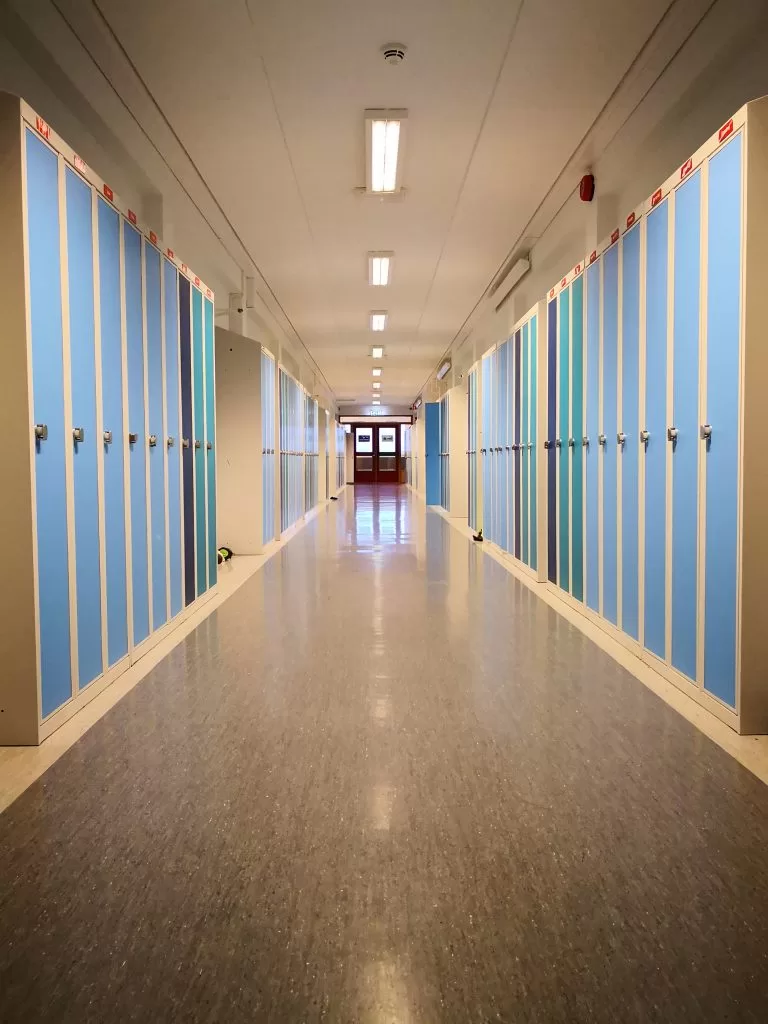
(384, 783)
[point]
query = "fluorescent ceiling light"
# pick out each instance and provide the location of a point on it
(377, 352)
(376, 371)
(376, 401)
(376, 385)
(378, 320)
(444, 368)
(379, 268)
(384, 143)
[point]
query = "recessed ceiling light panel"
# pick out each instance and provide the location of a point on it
(384, 147)
(377, 352)
(379, 269)
(378, 319)
(376, 371)
(376, 385)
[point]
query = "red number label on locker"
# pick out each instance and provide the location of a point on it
(577, 269)
(562, 283)
(593, 256)
(109, 193)
(656, 197)
(552, 293)
(171, 254)
(615, 236)
(630, 220)
(43, 127)
(132, 217)
(197, 281)
(153, 237)
(726, 130)
(687, 167)
(79, 164)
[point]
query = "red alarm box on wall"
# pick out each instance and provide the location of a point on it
(587, 188)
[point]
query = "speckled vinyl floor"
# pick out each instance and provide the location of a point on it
(384, 783)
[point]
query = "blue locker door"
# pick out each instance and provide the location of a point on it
(534, 441)
(563, 434)
(173, 427)
(48, 411)
(685, 416)
(82, 348)
(722, 398)
(114, 436)
(592, 428)
(210, 442)
(502, 440)
(550, 442)
(485, 455)
(630, 415)
(610, 429)
(656, 294)
(432, 452)
(156, 445)
(137, 437)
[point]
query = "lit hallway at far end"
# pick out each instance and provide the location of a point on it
(384, 782)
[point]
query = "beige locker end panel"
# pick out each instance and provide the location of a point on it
(754, 544)
(19, 700)
(239, 442)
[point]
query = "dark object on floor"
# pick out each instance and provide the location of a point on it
(334, 498)
(225, 554)
(478, 536)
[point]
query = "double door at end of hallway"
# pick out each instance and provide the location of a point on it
(377, 454)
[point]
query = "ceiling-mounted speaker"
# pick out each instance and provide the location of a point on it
(587, 188)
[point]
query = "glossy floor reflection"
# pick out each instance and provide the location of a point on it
(384, 783)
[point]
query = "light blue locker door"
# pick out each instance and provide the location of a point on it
(173, 428)
(655, 422)
(592, 428)
(722, 405)
(610, 430)
(48, 412)
(114, 440)
(524, 391)
(210, 442)
(198, 391)
(82, 348)
(630, 415)
(534, 441)
(563, 434)
(155, 387)
(685, 420)
(485, 454)
(577, 433)
(502, 440)
(137, 435)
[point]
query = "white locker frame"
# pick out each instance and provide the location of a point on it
(21, 721)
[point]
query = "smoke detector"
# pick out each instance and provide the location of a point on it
(394, 53)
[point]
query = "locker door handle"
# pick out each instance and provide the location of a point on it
(672, 433)
(571, 442)
(530, 445)
(107, 437)
(548, 445)
(171, 442)
(41, 431)
(133, 438)
(621, 437)
(209, 445)
(197, 444)
(644, 438)
(512, 449)
(78, 434)
(482, 451)
(185, 442)
(601, 439)
(705, 432)
(153, 440)
(585, 442)
(558, 443)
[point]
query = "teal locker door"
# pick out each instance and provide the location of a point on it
(485, 449)
(113, 441)
(610, 430)
(52, 434)
(563, 435)
(210, 441)
(533, 441)
(156, 445)
(524, 441)
(722, 419)
(629, 451)
(684, 431)
(82, 349)
(503, 512)
(591, 447)
(198, 398)
(173, 427)
(577, 433)
(656, 295)
(137, 437)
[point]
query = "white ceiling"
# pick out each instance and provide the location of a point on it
(268, 100)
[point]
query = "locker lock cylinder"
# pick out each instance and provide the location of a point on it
(585, 442)
(171, 442)
(601, 439)
(644, 437)
(41, 431)
(621, 437)
(706, 432)
(78, 433)
(107, 437)
(571, 442)
(153, 440)
(672, 433)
